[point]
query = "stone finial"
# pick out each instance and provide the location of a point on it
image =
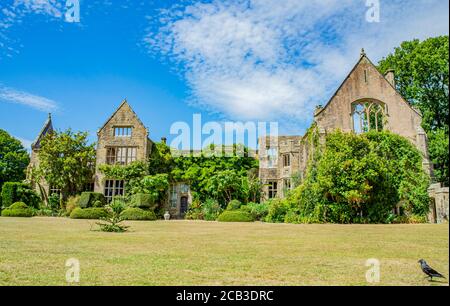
(318, 109)
(363, 52)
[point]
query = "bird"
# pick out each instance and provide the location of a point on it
(430, 272)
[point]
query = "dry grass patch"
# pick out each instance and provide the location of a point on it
(34, 251)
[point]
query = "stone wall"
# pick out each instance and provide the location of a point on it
(439, 205)
(123, 117)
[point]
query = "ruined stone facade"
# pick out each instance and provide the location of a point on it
(366, 100)
(41, 187)
(439, 210)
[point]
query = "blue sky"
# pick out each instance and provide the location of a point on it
(228, 60)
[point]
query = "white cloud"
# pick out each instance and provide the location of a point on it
(266, 59)
(11, 95)
(25, 143)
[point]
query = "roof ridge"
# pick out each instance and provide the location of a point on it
(364, 56)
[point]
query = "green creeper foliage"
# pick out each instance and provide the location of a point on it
(359, 179)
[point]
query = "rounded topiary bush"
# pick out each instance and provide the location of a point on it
(138, 214)
(142, 200)
(234, 205)
(88, 213)
(19, 209)
(235, 216)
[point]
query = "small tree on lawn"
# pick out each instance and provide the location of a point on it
(112, 223)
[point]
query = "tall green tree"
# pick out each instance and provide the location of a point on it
(14, 159)
(422, 77)
(67, 161)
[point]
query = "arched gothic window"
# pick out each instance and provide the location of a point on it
(368, 115)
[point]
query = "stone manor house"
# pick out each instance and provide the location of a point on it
(122, 140)
(366, 100)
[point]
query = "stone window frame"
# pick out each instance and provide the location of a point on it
(366, 112)
(272, 157)
(272, 189)
(286, 160)
(174, 197)
(120, 155)
(114, 188)
(123, 131)
(287, 184)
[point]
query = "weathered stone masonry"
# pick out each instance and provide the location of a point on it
(366, 100)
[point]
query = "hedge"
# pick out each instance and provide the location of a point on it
(13, 192)
(91, 199)
(19, 210)
(88, 213)
(234, 205)
(142, 200)
(235, 216)
(138, 214)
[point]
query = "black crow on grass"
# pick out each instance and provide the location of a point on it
(430, 272)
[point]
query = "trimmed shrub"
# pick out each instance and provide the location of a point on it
(234, 205)
(18, 209)
(71, 204)
(88, 213)
(98, 204)
(256, 210)
(413, 219)
(235, 216)
(138, 214)
(89, 199)
(19, 192)
(18, 205)
(142, 200)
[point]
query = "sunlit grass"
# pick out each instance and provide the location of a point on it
(34, 252)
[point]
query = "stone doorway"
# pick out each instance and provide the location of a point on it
(183, 205)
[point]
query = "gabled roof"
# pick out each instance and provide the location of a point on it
(47, 128)
(124, 103)
(364, 57)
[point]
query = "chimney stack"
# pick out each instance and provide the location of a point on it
(164, 140)
(390, 76)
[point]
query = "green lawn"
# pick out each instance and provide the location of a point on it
(34, 251)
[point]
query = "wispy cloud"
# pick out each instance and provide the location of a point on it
(11, 95)
(263, 59)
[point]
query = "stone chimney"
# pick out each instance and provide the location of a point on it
(164, 140)
(390, 76)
